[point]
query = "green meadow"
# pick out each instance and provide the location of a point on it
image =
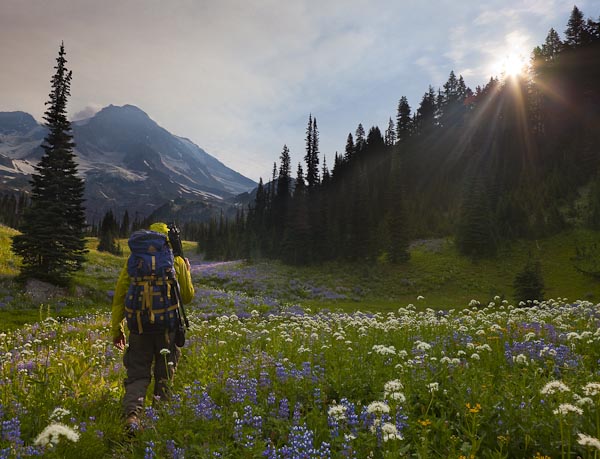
(333, 361)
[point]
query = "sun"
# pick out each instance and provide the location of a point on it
(513, 64)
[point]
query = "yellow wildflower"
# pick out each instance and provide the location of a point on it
(473, 409)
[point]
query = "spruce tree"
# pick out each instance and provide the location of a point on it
(360, 141)
(397, 220)
(52, 244)
(403, 120)
(552, 46)
(108, 235)
(528, 283)
(426, 111)
(476, 236)
(312, 154)
(576, 33)
(390, 134)
(284, 179)
(124, 229)
(350, 148)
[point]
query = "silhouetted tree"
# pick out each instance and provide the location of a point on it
(312, 154)
(390, 134)
(528, 283)
(403, 120)
(576, 33)
(475, 233)
(52, 242)
(108, 235)
(125, 225)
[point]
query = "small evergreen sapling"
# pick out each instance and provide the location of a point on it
(528, 283)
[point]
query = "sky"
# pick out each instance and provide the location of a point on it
(240, 77)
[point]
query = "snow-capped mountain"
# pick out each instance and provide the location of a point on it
(128, 162)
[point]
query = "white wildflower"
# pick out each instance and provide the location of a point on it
(420, 297)
(553, 387)
(475, 356)
(521, 359)
(566, 408)
(337, 412)
(529, 336)
(384, 350)
(592, 389)
(396, 396)
(393, 386)
(586, 440)
(390, 432)
(433, 387)
(583, 401)
(378, 407)
(59, 413)
(422, 346)
(52, 433)
(165, 351)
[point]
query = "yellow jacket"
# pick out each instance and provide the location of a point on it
(118, 305)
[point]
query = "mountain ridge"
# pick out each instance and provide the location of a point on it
(128, 161)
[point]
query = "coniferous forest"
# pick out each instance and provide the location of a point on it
(515, 158)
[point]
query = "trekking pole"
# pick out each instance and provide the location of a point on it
(175, 240)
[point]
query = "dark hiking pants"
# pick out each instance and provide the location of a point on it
(144, 351)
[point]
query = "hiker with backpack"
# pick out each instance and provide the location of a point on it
(149, 294)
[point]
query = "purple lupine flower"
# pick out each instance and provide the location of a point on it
(297, 413)
(11, 431)
(173, 451)
(284, 408)
(281, 372)
(149, 451)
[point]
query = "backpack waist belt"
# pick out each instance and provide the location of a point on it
(138, 314)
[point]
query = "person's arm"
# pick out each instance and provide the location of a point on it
(184, 277)
(117, 328)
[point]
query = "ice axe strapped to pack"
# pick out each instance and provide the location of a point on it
(151, 304)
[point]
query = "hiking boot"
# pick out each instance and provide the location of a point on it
(132, 424)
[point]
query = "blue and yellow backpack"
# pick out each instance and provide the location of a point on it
(151, 304)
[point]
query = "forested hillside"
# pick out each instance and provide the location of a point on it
(515, 158)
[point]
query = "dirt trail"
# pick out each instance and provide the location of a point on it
(199, 266)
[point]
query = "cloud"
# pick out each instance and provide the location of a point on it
(86, 112)
(240, 78)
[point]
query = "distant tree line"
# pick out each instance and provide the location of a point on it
(504, 161)
(12, 206)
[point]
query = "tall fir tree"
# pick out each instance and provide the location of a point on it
(124, 229)
(284, 179)
(552, 46)
(576, 32)
(390, 134)
(360, 141)
(52, 242)
(397, 220)
(528, 283)
(312, 154)
(475, 235)
(108, 235)
(403, 120)
(426, 111)
(350, 148)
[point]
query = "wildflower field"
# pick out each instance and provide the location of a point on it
(264, 377)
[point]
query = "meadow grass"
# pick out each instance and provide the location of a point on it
(280, 362)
